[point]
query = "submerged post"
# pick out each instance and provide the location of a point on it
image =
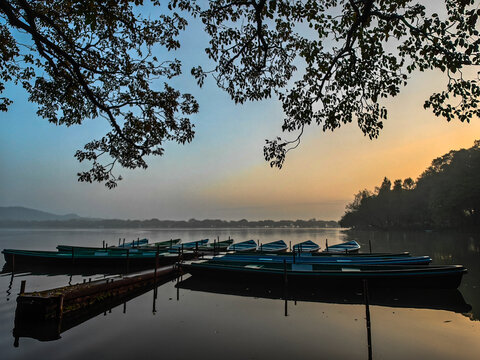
(367, 316)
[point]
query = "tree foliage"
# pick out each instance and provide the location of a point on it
(81, 60)
(446, 195)
(330, 62)
(354, 54)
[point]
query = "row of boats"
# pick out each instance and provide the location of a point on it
(337, 265)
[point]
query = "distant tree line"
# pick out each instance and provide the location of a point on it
(445, 196)
(170, 224)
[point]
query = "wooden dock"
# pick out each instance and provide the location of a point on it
(54, 303)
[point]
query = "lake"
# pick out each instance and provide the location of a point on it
(192, 319)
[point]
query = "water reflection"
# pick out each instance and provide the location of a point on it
(49, 330)
(444, 248)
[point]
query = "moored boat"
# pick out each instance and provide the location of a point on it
(249, 245)
(102, 257)
(216, 246)
(341, 259)
(273, 247)
(306, 246)
(336, 275)
(346, 247)
(191, 245)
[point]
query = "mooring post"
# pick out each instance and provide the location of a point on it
(60, 307)
(123, 242)
(326, 244)
(22, 287)
(294, 255)
(290, 246)
(156, 265)
(119, 241)
(128, 260)
(370, 245)
(182, 249)
(196, 248)
(103, 244)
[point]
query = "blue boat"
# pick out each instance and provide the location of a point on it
(133, 243)
(335, 275)
(346, 247)
(306, 246)
(249, 245)
(308, 259)
(191, 245)
(274, 246)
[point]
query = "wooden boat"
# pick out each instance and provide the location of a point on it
(102, 257)
(336, 275)
(306, 246)
(161, 244)
(343, 259)
(273, 247)
(133, 243)
(216, 246)
(249, 245)
(346, 247)
(191, 245)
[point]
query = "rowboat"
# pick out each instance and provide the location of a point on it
(336, 275)
(306, 246)
(346, 247)
(343, 259)
(161, 244)
(249, 245)
(216, 245)
(190, 245)
(102, 257)
(274, 246)
(133, 243)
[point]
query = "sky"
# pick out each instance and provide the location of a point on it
(222, 173)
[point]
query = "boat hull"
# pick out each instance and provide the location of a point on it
(425, 277)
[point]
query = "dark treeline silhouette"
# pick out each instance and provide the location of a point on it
(169, 224)
(445, 196)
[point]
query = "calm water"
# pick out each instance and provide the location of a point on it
(218, 320)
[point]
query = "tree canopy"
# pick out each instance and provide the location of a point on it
(446, 195)
(330, 62)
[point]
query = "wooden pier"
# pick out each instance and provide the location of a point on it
(54, 303)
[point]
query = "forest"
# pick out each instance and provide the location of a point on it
(445, 196)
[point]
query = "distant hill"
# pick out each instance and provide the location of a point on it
(19, 213)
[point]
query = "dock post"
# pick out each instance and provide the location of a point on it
(196, 248)
(370, 245)
(156, 266)
(103, 244)
(60, 307)
(182, 249)
(22, 287)
(290, 245)
(128, 260)
(119, 241)
(294, 255)
(326, 244)
(123, 242)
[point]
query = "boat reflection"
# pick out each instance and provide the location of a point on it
(437, 299)
(49, 330)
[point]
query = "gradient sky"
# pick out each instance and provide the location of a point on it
(222, 174)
